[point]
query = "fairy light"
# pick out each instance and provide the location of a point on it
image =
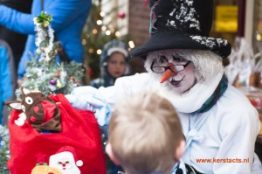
(99, 51)
(99, 22)
(94, 31)
(84, 41)
(108, 32)
(103, 28)
(91, 50)
(258, 37)
(102, 14)
(117, 33)
(131, 44)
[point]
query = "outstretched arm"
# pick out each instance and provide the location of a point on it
(17, 21)
(63, 13)
(103, 99)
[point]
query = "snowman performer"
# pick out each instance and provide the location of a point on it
(219, 123)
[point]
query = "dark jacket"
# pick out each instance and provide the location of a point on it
(7, 77)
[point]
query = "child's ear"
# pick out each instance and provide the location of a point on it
(179, 151)
(111, 155)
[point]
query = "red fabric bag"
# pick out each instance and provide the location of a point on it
(79, 130)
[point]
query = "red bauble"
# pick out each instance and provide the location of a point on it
(121, 15)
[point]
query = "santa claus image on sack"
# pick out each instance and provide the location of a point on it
(185, 64)
(65, 161)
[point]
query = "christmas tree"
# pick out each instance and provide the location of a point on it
(45, 72)
(4, 149)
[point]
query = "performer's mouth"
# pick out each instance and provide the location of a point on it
(176, 80)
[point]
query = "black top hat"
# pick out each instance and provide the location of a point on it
(182, 24)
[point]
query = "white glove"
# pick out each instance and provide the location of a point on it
(88, 98)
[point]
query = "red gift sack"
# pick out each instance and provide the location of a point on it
(79, 142)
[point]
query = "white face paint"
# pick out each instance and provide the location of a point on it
(179, 82)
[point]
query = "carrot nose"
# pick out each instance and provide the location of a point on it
(167, 74)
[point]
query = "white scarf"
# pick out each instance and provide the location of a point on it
(193, 99)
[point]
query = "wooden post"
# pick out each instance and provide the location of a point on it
(249, 24)
(241, 17)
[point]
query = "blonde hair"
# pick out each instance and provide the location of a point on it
(144, 132)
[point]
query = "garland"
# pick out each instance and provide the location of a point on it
(44, 71)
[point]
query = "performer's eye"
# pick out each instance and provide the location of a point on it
(178, 59)
(163, 59)
(29, 100)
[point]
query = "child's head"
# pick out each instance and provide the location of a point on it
(145, 135)
(116, 64)
(114, 58)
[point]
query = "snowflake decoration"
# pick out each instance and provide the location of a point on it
(209, 41)
(184, 15)
(153, 18)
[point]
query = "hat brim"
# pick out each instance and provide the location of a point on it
(170, 40)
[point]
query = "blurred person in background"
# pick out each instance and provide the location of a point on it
(113, 64)
(68, 16)
(15, 40)
(7, 79)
